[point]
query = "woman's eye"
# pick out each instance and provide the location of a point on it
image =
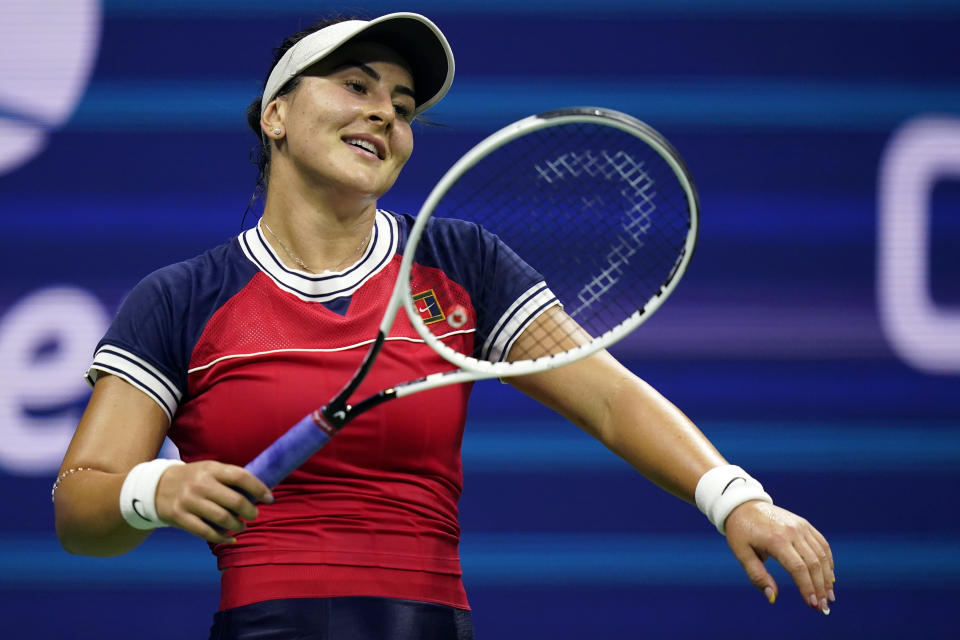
(359, 87)
(403, 111)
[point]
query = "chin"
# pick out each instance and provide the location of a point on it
(370, 187)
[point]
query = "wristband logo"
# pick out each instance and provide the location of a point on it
(730, 483)
(46, 56)
(137, 503)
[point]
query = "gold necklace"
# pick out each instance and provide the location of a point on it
(301, 263)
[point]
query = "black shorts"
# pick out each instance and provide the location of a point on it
(349, 618)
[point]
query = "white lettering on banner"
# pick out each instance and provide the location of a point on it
(46, 343)
(921, 153)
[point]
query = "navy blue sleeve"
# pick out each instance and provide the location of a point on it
(507, 293)
(141, 345)
(157, 327)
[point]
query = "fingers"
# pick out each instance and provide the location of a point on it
(225, 506)
(805, 565)
(829, 575)
(210, 499)
(250, 485)
(218, 526)
(758, 574)
(757, 530)
(818, 544)
(808, 559)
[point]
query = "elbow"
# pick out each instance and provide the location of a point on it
(95, 547)
(78, 538)
(74, 542)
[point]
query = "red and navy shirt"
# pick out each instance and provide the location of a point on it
(236, 348)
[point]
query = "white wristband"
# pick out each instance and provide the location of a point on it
(139, 493)
(723, 489)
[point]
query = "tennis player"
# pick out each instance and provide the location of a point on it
(222, 353)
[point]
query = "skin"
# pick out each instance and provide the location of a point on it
(121, 427)
(323, 191)
(321, 202)
(637, 423)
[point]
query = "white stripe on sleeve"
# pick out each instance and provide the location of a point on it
(139, 373)
(515, 319)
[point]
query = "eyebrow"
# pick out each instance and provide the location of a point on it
(370, 71)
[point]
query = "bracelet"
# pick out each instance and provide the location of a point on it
(139, 493)
(62, 476)
(723, 489)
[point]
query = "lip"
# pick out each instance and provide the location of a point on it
(378, 144)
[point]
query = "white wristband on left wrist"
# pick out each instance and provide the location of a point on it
(723, 489)
(139, 494)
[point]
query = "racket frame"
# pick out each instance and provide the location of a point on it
(470, 368)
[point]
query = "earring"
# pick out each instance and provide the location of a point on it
(277, 131)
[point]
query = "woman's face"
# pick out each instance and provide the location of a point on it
(347, 123)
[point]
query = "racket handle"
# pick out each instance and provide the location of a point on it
(290, 450)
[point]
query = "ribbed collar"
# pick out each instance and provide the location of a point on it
(331, 285)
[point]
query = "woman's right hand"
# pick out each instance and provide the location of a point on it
(201, 497)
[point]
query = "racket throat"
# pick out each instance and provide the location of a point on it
(332, 417)
(329, 419)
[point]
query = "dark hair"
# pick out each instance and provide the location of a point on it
(260, 154)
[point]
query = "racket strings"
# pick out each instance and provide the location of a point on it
(594, 209)
(635, 222)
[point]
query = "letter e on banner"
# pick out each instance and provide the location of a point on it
(46, 344)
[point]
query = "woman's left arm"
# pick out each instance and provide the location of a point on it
(637, 423)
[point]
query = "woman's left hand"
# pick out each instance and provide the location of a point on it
(757, 530)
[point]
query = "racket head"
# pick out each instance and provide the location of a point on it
(595, 200)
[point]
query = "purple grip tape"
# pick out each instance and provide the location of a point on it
(289, 451)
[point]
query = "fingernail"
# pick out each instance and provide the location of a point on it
(830, 595)
(824, 607)
(771, 594)
(813, 601)
(268, 498)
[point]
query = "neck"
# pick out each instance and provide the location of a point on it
(313, 239)
(291, 192)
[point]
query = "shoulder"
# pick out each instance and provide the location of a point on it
(210, 262)
(150, 340)
(436, 224)
(169, 307)
(208, 270)
(439, 233)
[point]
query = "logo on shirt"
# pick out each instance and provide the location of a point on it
(428, 307)
(457, 317)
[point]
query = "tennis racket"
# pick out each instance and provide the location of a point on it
(595, 201)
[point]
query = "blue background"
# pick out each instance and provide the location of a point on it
(773, 343)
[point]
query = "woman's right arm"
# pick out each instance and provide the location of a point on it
(122, 427)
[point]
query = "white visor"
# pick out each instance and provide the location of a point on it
(417, 40)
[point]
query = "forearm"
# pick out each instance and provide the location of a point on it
(88, 517)
(649, 432)
(630, 417)
(655, 437)
(120, 428)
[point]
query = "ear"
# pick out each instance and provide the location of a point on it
(272, 120)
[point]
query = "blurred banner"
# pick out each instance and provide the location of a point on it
(815, 338)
